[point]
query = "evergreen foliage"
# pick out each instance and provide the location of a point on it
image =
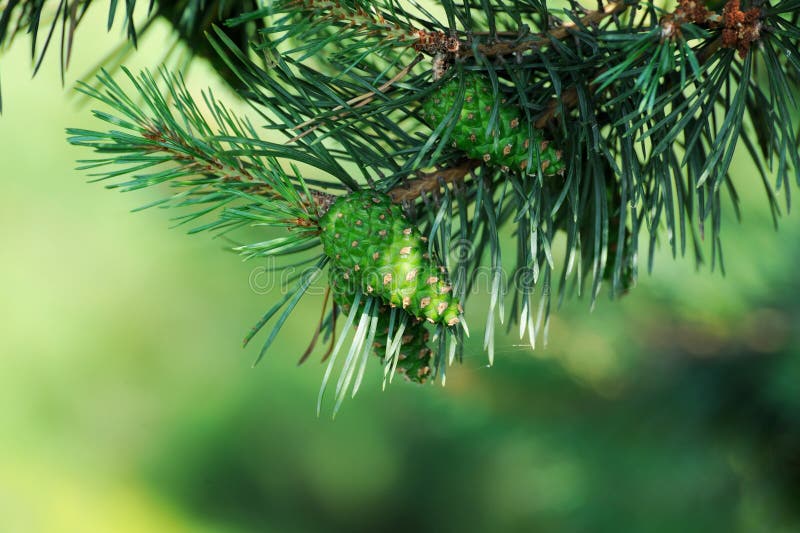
(638, 107)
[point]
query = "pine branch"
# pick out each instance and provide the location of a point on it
(591, 131)
(177, 145)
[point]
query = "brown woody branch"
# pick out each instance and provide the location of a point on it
(427, 182)
(501, 48)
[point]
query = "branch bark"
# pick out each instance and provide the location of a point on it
(510, 47)
(427, 182)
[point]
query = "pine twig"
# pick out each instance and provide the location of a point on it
(502, 48)
(201, 162)
(427, 182)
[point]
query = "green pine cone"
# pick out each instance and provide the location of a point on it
(372, 242)
(507, 145)
(414, 357)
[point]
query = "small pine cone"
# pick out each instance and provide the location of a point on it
(373, 245)
(507, 145)
(414, 357)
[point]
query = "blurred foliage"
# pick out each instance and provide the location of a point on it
(128, 406)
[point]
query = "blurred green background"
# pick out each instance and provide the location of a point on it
(128, 405)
